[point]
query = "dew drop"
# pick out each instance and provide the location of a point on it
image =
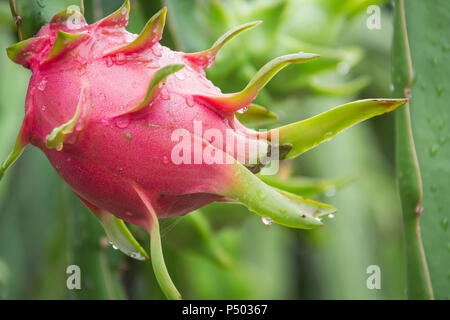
(267, 221)
(434, 150)
(189, 102)
(109, 61)
(331, 216)
(330, 191)
(42, 85)
(137, 255)
(164, 95)
(156, 52)
(123, 122)
(43, 108)
(444, 223)
(243, 110)
(114, 246)
(179, 75)
(152, 64)
(121, 58)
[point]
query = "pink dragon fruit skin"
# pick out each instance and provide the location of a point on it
(108, 154)
(103, 104)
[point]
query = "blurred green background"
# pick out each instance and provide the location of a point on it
(225, 252)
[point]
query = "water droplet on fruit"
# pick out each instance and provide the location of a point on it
(156, 52)
(164, 95)
(43, 108)
(267, 221)
(243, 110)
(109, 61)
(165, 159)
(123, 122)
(102, 96)
(152, 64)
(42, 85)
(189, 102)
(179, 75)
(121, 58)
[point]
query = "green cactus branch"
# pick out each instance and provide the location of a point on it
(409, 175)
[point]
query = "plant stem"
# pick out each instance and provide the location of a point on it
(409, 176)
(17, 18)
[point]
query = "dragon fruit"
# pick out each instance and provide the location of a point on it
(140, 134)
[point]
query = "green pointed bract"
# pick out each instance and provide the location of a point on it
(307, 134)
(118, 18)
(121, 237)
(64, 43)
(275, 205)
(306, 186)
(23, 51)
(150, 35)
(256, 115)
(19, 146)
(206, 58)
(230, 103)
(69, 18)
(117, 232)
(156, 254)
(155, 86)
(56, 139)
